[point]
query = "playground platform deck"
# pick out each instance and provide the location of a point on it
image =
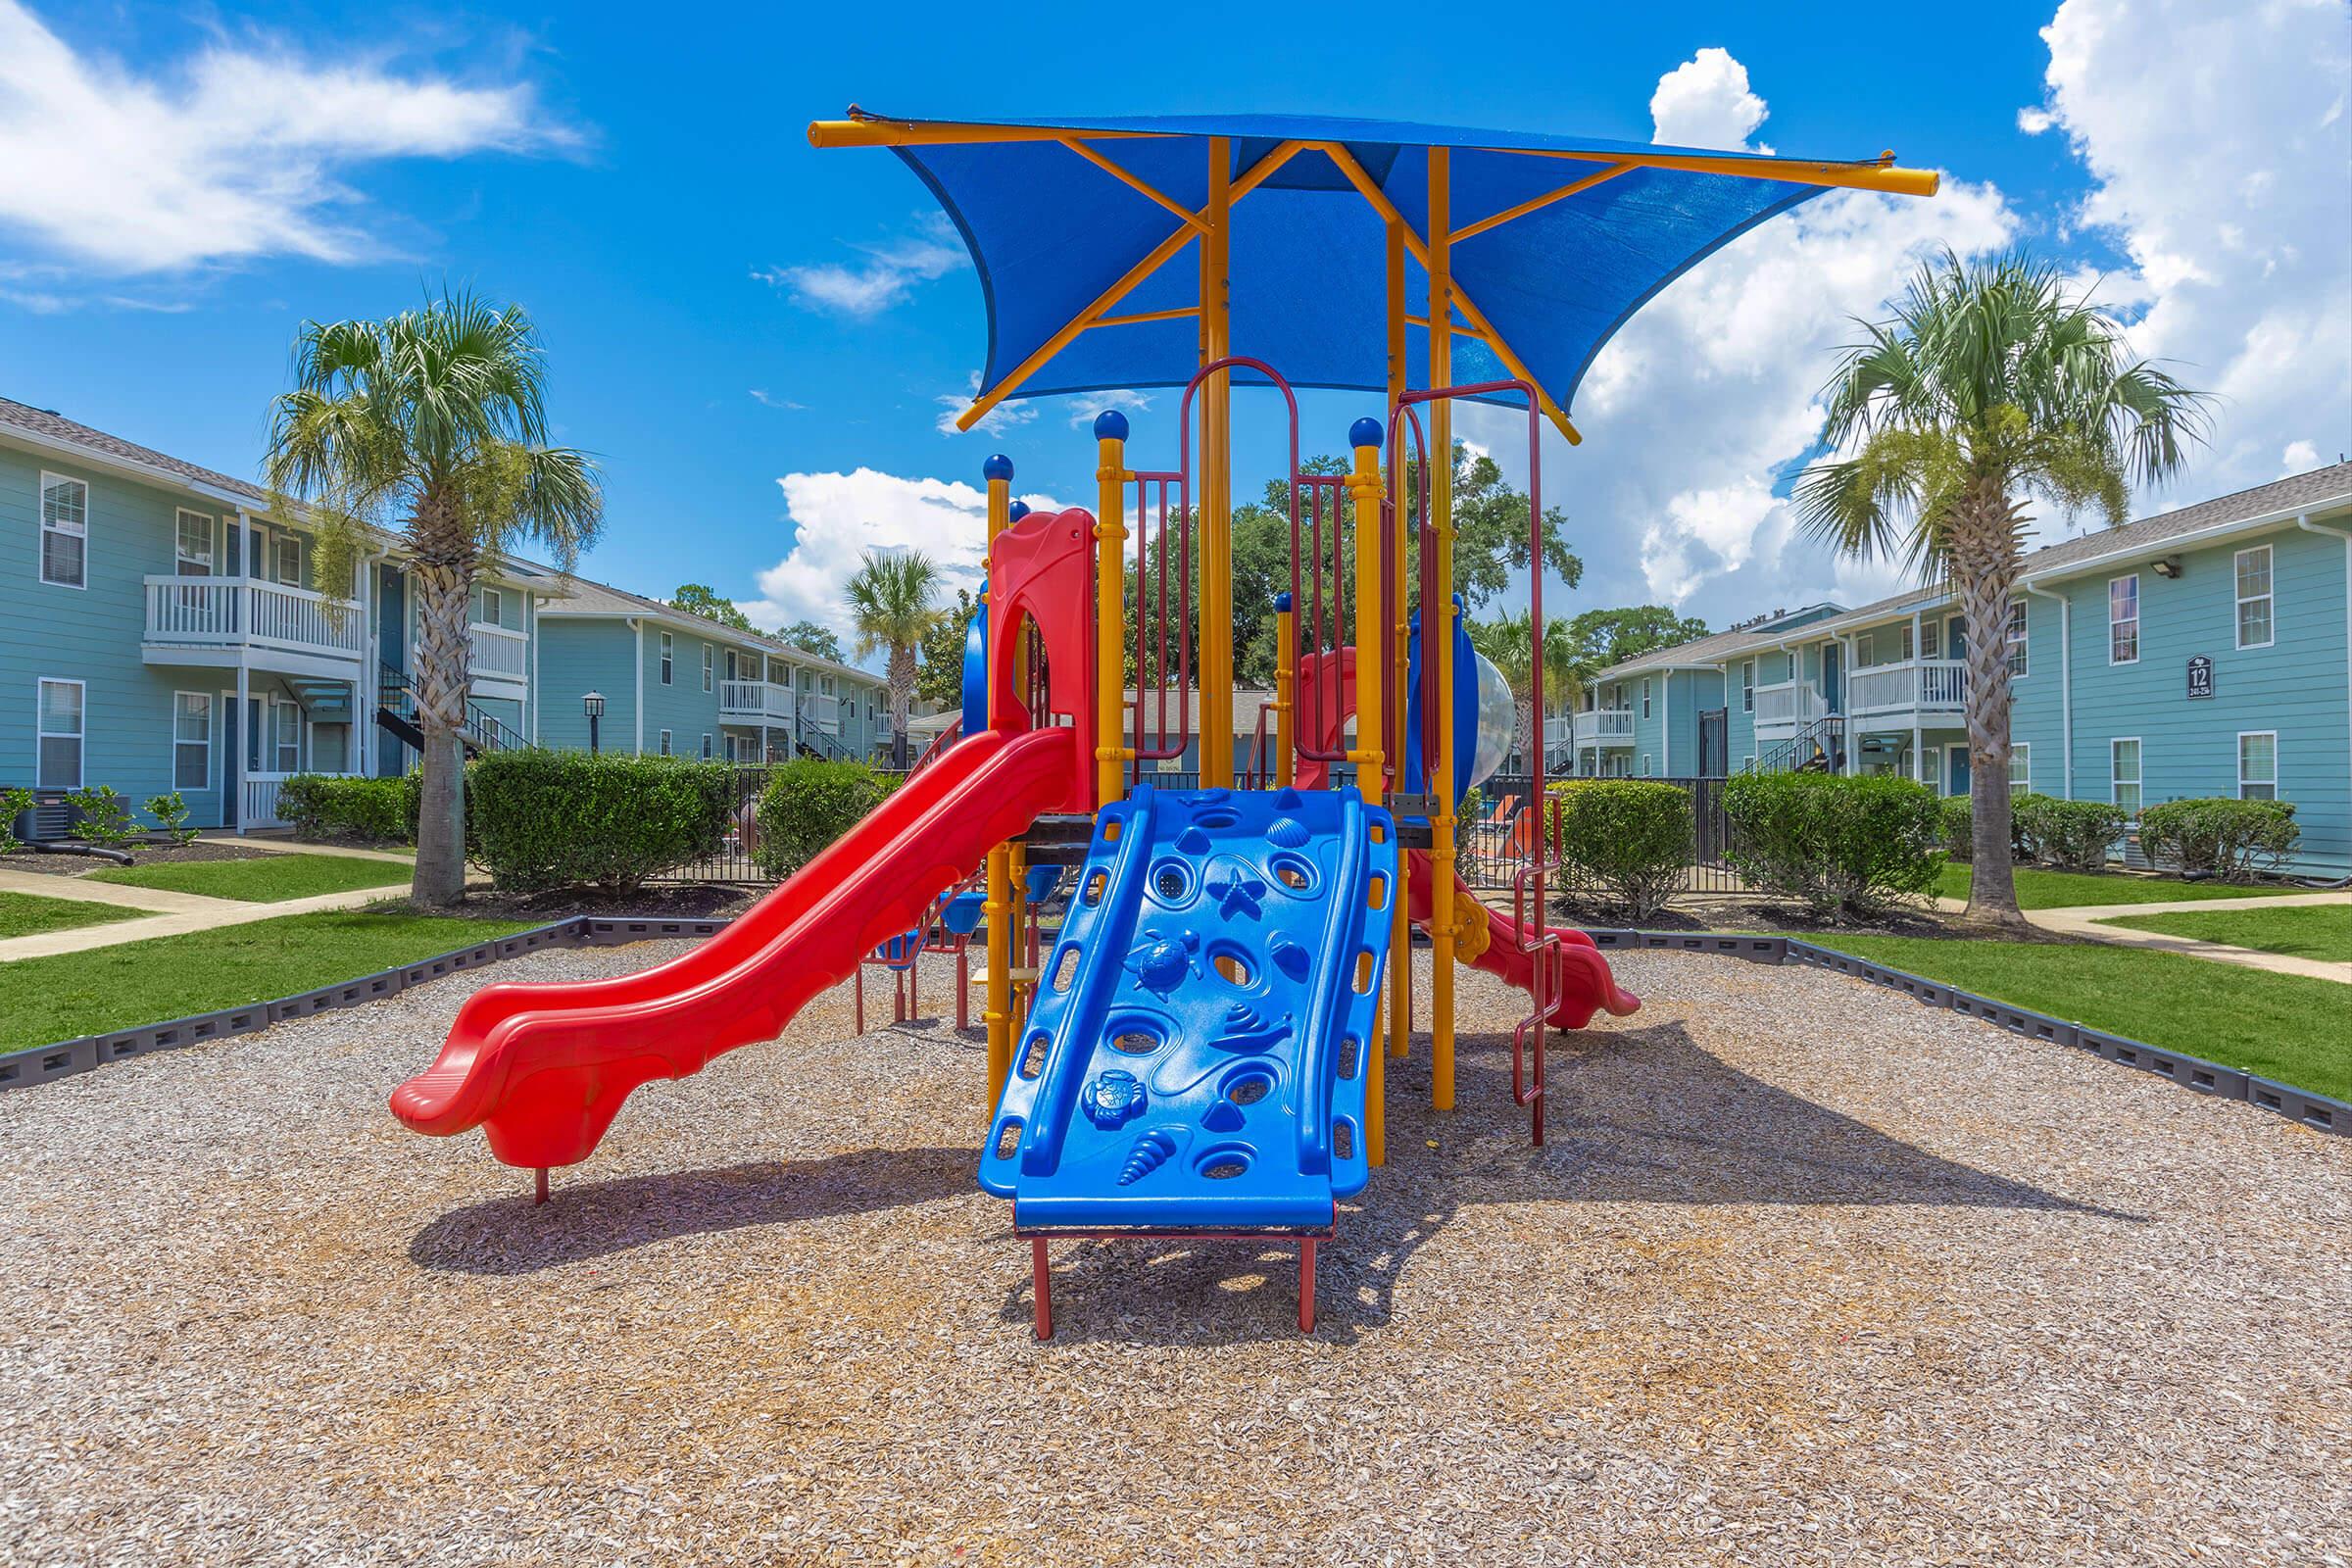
(1805, 1275)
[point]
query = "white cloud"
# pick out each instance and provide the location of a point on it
(1006, 416)
(888, 273)
(2218, 143)
(2300, 457)
(241, 152)
(837, 517)
(770, 400)
(1084, 405)
(1705, 102)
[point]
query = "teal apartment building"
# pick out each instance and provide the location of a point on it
(158, 631)
(2198, 653)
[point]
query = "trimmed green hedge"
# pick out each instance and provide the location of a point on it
(2071, 834)
(1846, 844)
(1633, 837)
(2234, 840)
(550, 819)
(807, 806)
(361, 810)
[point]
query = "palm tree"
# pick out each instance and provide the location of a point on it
(430, 424)
(1511, 645)
(1994, 384)
(890, 606)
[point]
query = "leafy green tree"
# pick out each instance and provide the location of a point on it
(941, 678)
(810, 638)
(890, 599)
(697, 598)
(1511, 645)
(1993, 385)
(430, 424)
(1604, 637)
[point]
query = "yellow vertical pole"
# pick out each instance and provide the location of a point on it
(1371, 647)
(1111, 606)
(1401, 937)
(996, 908)
(1437, 628)
(1216, 477)
(1286, 689)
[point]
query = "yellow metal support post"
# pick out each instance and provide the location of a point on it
(1371, 643)
(1216, 475)
(996, 908)
(1111, 606)
(1437, 630)
(1401, 938)
(1286, 690)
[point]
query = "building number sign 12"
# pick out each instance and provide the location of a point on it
(2200, 676)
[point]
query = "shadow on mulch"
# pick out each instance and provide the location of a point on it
(702, 901)
(1734, 914)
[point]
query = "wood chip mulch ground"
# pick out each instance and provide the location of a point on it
(1806, 1275)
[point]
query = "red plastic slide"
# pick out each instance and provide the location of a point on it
(1580, 982)
(543, 1069)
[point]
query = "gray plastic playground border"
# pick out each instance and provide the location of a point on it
(41, 1064)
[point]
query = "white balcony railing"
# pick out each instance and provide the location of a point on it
(821, 711)
(1557, 728)
(235, 611)
(500, 654)
(755, 700)
(1914, 686)
(1787, 707)
(1605, 726)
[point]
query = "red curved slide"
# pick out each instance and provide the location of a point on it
(543, 1069)
(1580, 982)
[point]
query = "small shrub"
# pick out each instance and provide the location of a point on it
(14, 802)
(351, 811)
(2072, 835)
(2234, 840)
(170, 813)
(1846, 844)
(1632, 838)
(551, 819)
(1958, 817)
(807, 806)
(101, 817)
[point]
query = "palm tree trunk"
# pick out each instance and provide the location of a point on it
(901, 695)
(1983, 565)
(1523, 720)
(445, 592)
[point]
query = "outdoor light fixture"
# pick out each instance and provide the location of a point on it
(593, 705)
(2167, 567)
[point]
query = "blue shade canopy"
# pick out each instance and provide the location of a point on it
(1050, 230)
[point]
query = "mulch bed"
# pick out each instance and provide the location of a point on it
(699, 901)
(164, 853)
(1758, 915)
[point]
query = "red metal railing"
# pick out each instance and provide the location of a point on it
(1163, 552)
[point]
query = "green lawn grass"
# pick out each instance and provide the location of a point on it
(2280, 1026)
(2038, 889)
(265, 879)
(68, 994)
(25, 914)
(2305, 931)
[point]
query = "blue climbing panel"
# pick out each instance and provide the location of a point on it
(1197, 1054)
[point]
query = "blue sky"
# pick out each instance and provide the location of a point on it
(755, 338)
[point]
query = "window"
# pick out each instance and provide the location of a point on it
(2123, 774)
(1928, 640)
(668, 663)
(194, 556)
(710, 666)
(2258, 764)
(2015, 637)
(1645, 772)
(494, 607)
(1866, 649)
(1747, 686)
(2123, 619)
(287, 558)
(665, 733)
(191, 740)
(2254, 598)
(1748, 763)
(289, 735)
(706, 746)
(2020, 769)
(59, 723)
(1645, 710)
(65, 533)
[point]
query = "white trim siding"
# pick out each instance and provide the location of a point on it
(196, 748)
(2122, 618)
(2117, 782)
(2262, 602)
(60, 523)
(43, 733)
(2253, 788)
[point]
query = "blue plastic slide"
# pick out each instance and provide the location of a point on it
(1196, 1056)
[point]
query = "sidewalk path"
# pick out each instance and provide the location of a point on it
(2085, 924)
(187, 913)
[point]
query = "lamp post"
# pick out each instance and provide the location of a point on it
(593, 705)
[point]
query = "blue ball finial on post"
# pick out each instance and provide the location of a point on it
(1364, 432)
(1281, 602)
(1110, 425)
(1017, 511)
(999, 467)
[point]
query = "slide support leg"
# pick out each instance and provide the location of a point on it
(1040, 1287)
(1306, 1285)
(539, 1186)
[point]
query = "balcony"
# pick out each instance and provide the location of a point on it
(221, 620)
(755, 702)
(1605, 726)
(821, 711)
(1787, 707)
(1917, 691)
(499, 658)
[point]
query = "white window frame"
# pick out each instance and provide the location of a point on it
(2116, 782)
(710, 666)
(1747, 686)
(666, 742)
(1931, 638)
(2021, 768)
(180, 743)
(81, 736)
(1645, 772)
(280, 727)
(706, 746)
(2268, 598)
(2115, 625)
(2017, 634)
(280, 544)
(669, 652)
(181, 559)
(2243, 736)
(1866, 650)
(1645, 699)
(78, 531)
(494, 607)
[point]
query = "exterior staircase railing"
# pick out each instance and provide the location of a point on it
(1819, 747)
(396, 710)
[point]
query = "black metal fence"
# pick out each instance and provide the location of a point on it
(1498, 829)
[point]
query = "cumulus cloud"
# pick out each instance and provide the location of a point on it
(239, 153)
(1007, 416)
(2217, 141)
(1705, 102)
(836, 517)
(887, 275)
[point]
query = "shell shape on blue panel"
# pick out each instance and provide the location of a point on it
(1200, 1063)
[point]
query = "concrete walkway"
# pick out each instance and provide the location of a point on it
(278, 844)
(166, 912)
(2088, 925)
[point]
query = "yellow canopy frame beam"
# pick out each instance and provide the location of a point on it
(1545, 200)
(1133, 181)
